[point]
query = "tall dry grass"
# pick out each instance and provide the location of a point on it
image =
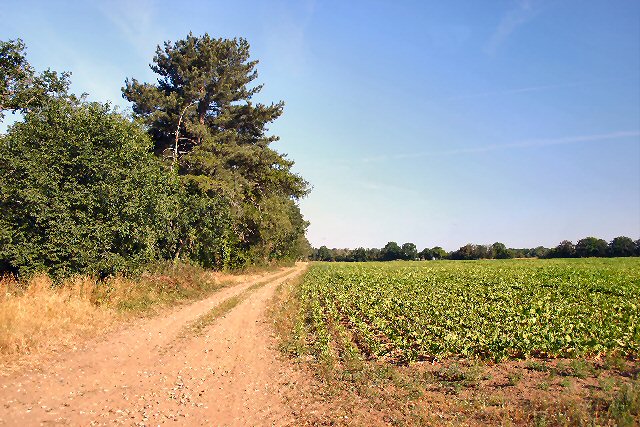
(39, 316)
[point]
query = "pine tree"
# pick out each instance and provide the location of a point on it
(203, 121)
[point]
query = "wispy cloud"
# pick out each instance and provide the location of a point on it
(135, 22)
(386, 187)
(514, 145)
(518, 90)
(521, 13)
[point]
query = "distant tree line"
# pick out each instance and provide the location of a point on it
(588, 247)
(191, 176)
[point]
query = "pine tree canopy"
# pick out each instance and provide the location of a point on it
(204, 122)
(201, 117)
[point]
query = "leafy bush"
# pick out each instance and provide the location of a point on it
(82, 193)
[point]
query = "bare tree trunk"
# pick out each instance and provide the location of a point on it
(202, 112)
(175, 147)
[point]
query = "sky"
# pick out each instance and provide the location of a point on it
(437, 123)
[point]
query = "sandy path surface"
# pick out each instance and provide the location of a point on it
(152, 373)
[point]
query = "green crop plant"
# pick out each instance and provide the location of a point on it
(408, 311)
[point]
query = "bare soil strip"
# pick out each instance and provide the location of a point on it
(149, 373)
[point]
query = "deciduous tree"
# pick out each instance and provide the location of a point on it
(425, 254)
(591, 247)
(21, 88)
(622, 246)
(81, 192)
(500, 251)
(565, 249)
(438, 253)
(409, 251)
(391, 251)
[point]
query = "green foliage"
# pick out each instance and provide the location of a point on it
(565, 249)
(202, 119)
(500, 251)
(622, 246)
(425, 254)
(391, 251)
(471, 251)
(588, 247)
(81, 193)
(434, 253)
(359, 255)
(323, 254)
(591, 247)
(438, 253)
(407, 311)
(21, 89)
(201, 112)
(409, 251)
(204, 231)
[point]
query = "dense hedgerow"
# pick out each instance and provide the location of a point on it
(82, 193)
(85, 189)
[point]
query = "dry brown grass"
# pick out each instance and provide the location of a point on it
(40, 317)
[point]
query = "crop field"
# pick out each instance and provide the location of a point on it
(408, 311)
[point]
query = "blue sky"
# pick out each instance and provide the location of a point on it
(439, 123)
